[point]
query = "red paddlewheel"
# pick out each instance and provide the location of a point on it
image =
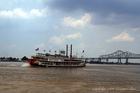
(31, 60)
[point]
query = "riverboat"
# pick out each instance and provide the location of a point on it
(56, 60)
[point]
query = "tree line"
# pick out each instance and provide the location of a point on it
(24, 58)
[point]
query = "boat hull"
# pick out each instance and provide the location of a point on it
(59, 64)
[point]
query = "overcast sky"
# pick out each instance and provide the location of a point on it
(96, 26)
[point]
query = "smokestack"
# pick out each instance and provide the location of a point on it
(71, 51)
(67, 50)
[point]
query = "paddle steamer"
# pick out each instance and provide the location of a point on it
(57, 60)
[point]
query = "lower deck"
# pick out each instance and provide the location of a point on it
(63, 64)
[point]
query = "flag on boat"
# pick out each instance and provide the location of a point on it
(37, 49)
(61, 51)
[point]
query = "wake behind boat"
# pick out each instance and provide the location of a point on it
(56, 60)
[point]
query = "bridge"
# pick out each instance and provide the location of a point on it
(117, 55)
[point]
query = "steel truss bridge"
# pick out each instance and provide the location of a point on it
(117, 55)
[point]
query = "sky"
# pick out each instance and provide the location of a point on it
(98, 27)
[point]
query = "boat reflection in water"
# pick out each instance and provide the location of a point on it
(57, 60)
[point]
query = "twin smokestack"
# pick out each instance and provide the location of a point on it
(70, 51)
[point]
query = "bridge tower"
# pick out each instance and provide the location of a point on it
(99, 60)
(119, 60)
(107, 60)
(126, 61)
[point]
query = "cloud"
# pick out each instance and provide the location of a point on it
(12, 46)
(40, 45)
(15, 13)
(57, 40)
(123, 37)
(103, 51)
(82, 46)
(61, 39)
(106, 12)
(36, 12)
(98, 6)
(55, 27)
(80, 23)
(74, 36)
(136, 29)
(19, 13)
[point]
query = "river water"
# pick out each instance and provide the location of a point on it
(17, 77)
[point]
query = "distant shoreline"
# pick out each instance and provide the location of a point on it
(10, 61)
(113, 63)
